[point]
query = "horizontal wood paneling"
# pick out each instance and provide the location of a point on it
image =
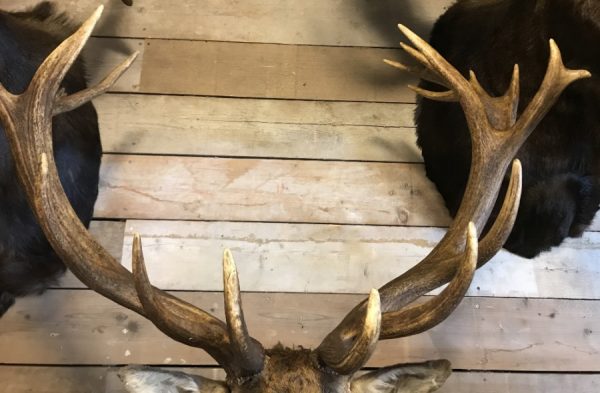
(343, 259)
(258, 128)
(81, 327)
(273, 71)
(317, 22)
(161, 187)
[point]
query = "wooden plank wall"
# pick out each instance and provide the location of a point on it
(274, 129)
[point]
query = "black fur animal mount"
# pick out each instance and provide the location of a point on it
(28, 264)
(561, 159)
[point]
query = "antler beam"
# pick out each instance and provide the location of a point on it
(496, 135)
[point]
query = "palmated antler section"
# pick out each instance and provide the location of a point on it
(496, 135)
(27, 119)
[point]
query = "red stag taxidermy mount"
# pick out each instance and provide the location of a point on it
(387, 313)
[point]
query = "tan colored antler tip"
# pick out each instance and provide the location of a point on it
(373, 316)
(516, 165)
(472, 240)
(472, 230)
(44, 164)
(228, 263)
(402, 28)
(97, 14)
(136, 246)
(394, 64)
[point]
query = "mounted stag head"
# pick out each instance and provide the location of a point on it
(386, 314)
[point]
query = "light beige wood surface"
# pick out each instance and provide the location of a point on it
(275, 71)
(210, 126)
(274, 257)
(81, 327)
(194, 188)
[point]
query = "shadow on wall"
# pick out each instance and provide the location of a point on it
(384, 15)
(379, 20)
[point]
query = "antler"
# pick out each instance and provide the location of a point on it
(496, 135)
(28, 122)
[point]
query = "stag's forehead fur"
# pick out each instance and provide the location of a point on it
(290, 370)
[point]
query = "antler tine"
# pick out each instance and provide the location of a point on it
(50, 74)
(419, 318)
(556, 79)
(249, 352)
(347, 356)
(498, 234)
(184, 323)
(421, 72)
(31, 114)
(68, 103)
(437, 64)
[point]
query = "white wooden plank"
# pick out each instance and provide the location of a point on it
(257, 127)
(275, 257)
(161, 187)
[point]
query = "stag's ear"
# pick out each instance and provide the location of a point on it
(138, 379)
(404, 378)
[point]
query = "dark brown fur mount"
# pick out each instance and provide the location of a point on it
(561, 159)
(27, 262)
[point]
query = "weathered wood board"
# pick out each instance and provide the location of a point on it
(211, 126)
(81, 327)
(274, 71)
(194, 188)
(273, 257)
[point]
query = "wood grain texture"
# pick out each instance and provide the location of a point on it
(276, 257)
(273, 71)
(146, 124)
(316, 22)
(82, 327)
(27, 379)
(162, 187)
